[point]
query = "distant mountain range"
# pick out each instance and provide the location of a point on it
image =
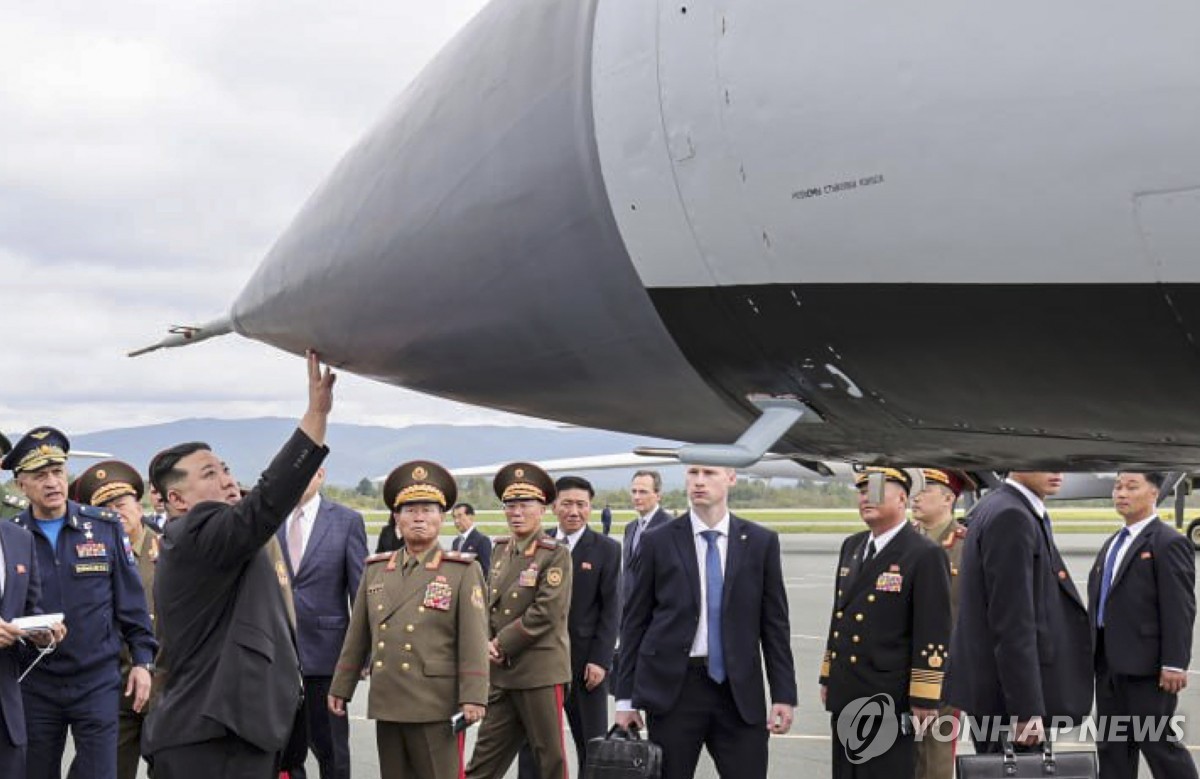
(360, 450)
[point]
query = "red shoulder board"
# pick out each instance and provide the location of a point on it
(548, 543)
(959, 533)
(500, 540)
(459, 557)
(382, 557)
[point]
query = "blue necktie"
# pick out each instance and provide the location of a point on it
(714, 583)
(1107, 574)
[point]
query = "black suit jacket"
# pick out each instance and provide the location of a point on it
(22, 589)
(663, 612)
(389, 539)
(890, 627)
(222, 618)
(477, 544)
(659, 519)
(1021, 646)
(595, 614)
(1151, 603)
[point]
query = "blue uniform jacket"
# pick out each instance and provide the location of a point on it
(92, 579)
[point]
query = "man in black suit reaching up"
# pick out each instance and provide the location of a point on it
(470, 538)
(593, 619)
(233, 690)
(1021, 647)
(707, 598)
(1142, 603)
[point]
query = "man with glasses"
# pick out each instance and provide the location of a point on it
(528, 598)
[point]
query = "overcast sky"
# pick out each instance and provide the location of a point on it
(152, 152)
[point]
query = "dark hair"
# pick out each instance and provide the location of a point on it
(1154, 477)
(574, 483)
(654, 477)
(466, 507)
(162, 471)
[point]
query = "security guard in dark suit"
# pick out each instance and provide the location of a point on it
(933, 517)
(419, 624)
(1142, 606)
(890, 627)
(118, 487)
(89, 573)
(1021, 646)
(529, 595)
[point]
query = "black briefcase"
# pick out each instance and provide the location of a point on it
(1028, 765)
(622, 754)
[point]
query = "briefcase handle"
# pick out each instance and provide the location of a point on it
(618, 733)
(1049, 763)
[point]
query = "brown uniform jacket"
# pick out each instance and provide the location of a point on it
(949, 536)
(146, 554)
(424, 634)
(529, 597)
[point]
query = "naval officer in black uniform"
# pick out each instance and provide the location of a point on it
(890, 627)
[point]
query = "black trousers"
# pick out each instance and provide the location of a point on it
(707, 716)
(328, 736)
(1137, 696)
(898, 762)
(228, 757)
(587, 714)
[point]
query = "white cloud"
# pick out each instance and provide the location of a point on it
(152, 154)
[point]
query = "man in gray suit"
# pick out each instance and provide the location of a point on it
(325, 546)
(233, 688)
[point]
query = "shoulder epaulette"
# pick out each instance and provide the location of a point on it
(381, 557)
(459, 557)
(500, 540)
(959, 533)
(549, 543)
(93, 512)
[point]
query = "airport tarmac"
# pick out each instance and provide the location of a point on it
(809, 563)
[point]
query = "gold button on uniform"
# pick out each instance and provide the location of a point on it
(858, 617)
(404, 666)
(835, 634)
(854, 639)
(409, 628)
(420, 609)
(853, 659)
(507, 612)
(838, 615)
(379, 664)
(870, 599)
(381, 645)
(408, 647)
(383, 626)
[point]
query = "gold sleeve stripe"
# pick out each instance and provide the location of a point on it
(824, 669)
(934, 677)
(926, 690)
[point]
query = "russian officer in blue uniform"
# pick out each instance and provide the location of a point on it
(88, 573)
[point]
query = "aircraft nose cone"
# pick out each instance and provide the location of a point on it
(466, 246)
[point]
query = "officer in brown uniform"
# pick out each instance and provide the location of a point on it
(419, 625)
(530, 650)
(933, 515)
(117, 486)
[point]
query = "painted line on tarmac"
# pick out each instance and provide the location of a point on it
(805, 637)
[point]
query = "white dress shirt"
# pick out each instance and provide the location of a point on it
(1039, 506)
(700, 642)
(310, 510)
(1133, 529)
(573, 538)
(882, 539)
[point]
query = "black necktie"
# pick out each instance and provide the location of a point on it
(457, 544)
(870, 551)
